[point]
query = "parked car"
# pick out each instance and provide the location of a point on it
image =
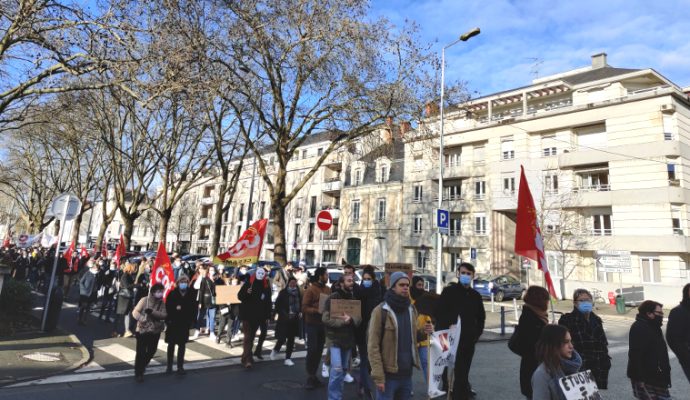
(502, 286)
(190, 258)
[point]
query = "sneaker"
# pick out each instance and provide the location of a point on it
(195, 336)
(288, 362)
(273, 355)
(349, 378)
(324, 371)
(129, 334)
(213, 337)
(355, 362)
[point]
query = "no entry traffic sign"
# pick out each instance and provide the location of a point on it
(324, 220)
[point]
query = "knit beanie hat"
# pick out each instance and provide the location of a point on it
(396, 276)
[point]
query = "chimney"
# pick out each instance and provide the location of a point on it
(405, 127)
(599, 61)
(387, 134)
(431, 109)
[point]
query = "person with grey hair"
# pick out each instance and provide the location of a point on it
(589, 338)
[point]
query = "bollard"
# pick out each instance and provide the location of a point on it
(517, 317)
(503, 321)
(493, 309)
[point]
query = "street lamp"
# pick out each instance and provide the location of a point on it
(439, 249)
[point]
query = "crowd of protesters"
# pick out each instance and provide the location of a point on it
(387, 340)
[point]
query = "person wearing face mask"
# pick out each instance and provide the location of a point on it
(289, 309)
(181, 314)
(416, 293)
(109, 277)
(533, 319)
(177, 267)
(150, 315)
(88, 288)
(557, 358)
(206, 298)
(370, 296)
(255, 310)
(649, 368)
(462, 301)
(141, 282)
(589, 338)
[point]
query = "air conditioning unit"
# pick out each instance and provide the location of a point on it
(668, 108)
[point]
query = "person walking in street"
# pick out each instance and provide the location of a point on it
(649, 368)
(255, 309)
(316, 335)
(282, 276)
(223, 310)
(181, 310)
(533, 319)
(557, 358)
(109, 283)
(289, 309)
(88, 289)
(125, 300)
(392, 341)
(206, 299)
(678, 331)
(370, 296)
(462, 301)
(340, 335)
(150, 315)
(589, 338)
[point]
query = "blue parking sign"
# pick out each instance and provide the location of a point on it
(442, 221)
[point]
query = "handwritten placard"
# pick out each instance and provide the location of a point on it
(228, 294)
(322, 302)
(390, 268)
(580, 386)
(353, 308)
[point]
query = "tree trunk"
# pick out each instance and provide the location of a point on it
(101, 235)
(279, 245)
(76, 225)
(163, 227)
(129, 228)
(218, 219)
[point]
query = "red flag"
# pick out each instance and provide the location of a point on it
(6, 242)
(247, 248)
(83, 253)
(120, 251)
(68, 256)
(528, 239)
(162, 271)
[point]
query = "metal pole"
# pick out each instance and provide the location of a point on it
(493, 309)
(439, 239)
(321, 248)
(503, 320)
(55, 262)
(517, 317)
(251, 196)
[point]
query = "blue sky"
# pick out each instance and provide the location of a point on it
(561, 35)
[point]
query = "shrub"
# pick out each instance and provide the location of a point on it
(16, 297)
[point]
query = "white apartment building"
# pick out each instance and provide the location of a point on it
(605, 151)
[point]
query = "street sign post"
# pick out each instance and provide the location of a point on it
(65, 208)
(473, 253)
(442, 221)
(614, 261)
(324, 221)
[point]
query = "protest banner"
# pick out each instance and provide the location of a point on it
(226, 294)
(353, 308)
(389, 268)
(322, 302)
(580, 386)
(443, 346)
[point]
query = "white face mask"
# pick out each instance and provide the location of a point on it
(260, 274)
(94, 271)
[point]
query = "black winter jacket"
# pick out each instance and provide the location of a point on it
(255, 307)
(181, 309)
(529, 328)
(648, 355)
(457, 300)
(589, 339)
(678, 332)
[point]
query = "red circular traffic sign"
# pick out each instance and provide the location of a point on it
(324, 220)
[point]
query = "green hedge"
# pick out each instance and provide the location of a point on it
(16, 297)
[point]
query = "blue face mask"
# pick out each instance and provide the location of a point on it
(183, 286)
(367, 284)
(584, 306)
(465, 279)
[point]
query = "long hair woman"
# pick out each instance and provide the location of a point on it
(533, 319)
(557, 358)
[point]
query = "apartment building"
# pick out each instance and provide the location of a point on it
(605, 151)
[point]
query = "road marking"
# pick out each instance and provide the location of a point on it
(189, 355)
(67, 378)
(624, 349)
(123, 353)
(90, 367)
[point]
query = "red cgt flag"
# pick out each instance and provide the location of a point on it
(247, 248)
(162, 271)
(83, 253)
(528, 239)
(68, 256)
(120, 251)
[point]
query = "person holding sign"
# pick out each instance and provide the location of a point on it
(392, 341)
(181, 308)
(557, 358)
(340, 334)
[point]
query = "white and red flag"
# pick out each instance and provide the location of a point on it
(528, 239)
(162, 271)
(83, 253)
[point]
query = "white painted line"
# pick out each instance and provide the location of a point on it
(123, 353)
(235, 351)
(128, 373)
(90, 367)
(624, 349)
(189, 355)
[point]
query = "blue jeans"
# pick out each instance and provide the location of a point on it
(396, 389)
(340, 360)
(424, 360)
(211, 319)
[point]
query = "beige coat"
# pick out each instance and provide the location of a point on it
(151, 323)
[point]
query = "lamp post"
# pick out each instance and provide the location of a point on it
(439, 243)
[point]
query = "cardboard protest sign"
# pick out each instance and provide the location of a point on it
(228, 294)
(443, 346)
(579, 386)
(389, 268)
(322, 302)
(353, 308)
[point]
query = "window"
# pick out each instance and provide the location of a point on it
(595, 181)
(417, 229)
(455, 228)
(262, 209)
(553, 229)
(651, 269)
(601, 225)
(668, 127)
(239, 232)
(226, 216)
(418, 191)
(478, 154)
(319, 151)
(422, 259)
(304, 154)
(296, 237)
(509, 185)
(381, 210)
(548, 145)
(675, 220)
(672, 179)
(479, 189)
(225, 231)
(329, 256)
(455, 261)
(355, 211)
(480, 224)
(312, 207)
(453, 159)
(507, 151)
(382, 173)
(241, 216)
(551, 183)
(418, 162)
(453, 192)
(354, 246)
(310, 237)
(358, 177)
(592, 137)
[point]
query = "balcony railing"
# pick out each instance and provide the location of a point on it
(593, 188)
(601, 232)
(332, 186)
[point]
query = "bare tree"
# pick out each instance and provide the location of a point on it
(185, 220)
